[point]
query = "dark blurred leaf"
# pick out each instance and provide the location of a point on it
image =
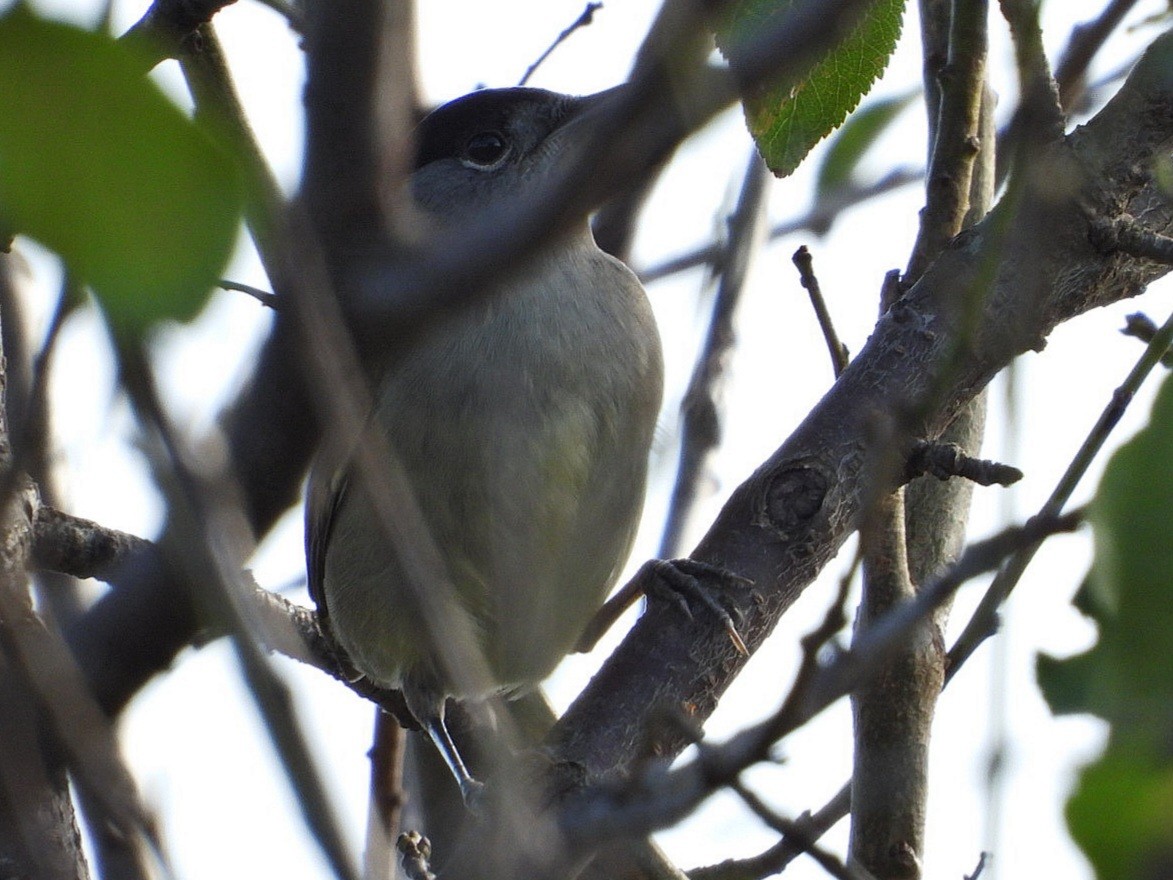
(1121, 814)
(786, 124)
(1129, 590)
(99, 166)
(852, 142)
(1068, 684)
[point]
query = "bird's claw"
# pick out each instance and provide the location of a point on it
(678, 580)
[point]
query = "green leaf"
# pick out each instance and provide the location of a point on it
(853, 141)
(787, 123)
(1129, 590)
(1121, 814)
(1071, 685)
(99, 166)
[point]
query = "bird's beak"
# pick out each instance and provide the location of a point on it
(590, 105)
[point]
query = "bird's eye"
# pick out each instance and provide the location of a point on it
(485, 149)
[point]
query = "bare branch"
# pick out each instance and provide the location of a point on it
(386, 797)
(584, 20)
(700, 417)
(981, 865)
(1141, 326)
(80, 547)
(796, 831)
(956, 144)
(807, 828)
(657, 799)
(264, 297)
(1127, 235)
(160, 33)
(819, 220)
(984, 622)
(945, 460)
(806, 271)
(780, 527)
(1086, 40)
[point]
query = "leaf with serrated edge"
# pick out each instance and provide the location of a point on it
(786, 124)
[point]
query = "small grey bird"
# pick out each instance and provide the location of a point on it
(522, 422)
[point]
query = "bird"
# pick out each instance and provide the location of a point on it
(523, 424)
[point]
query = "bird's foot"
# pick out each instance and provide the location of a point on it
(680, 580)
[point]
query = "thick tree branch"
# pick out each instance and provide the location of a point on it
(780, 527)
(956, 134)
(658, 799)
(919, 529)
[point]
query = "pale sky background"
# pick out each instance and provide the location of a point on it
(193, 738)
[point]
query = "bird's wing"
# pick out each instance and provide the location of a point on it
(326, 490)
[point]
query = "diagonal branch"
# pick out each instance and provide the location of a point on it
(700, 415)
(785, 523)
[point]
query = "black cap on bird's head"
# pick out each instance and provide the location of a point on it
(480, 147)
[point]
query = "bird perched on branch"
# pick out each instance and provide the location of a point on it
(522, 424)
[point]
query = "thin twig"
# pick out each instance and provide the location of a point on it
(699, 412)
(956, 143)
(386, 797)
(807, 828)
(1127, 235)
(1142, 327)
(1086, 40)
(984, 621)
(795, 830)
(1039, 116)
(806, 272)
(981, 866)
(819, 219)
(1036, 86)
(582, 21)
(206, 72)
(265, 297)
(945, 460)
